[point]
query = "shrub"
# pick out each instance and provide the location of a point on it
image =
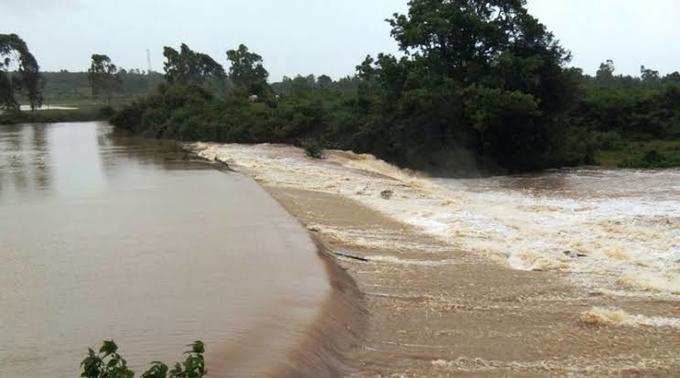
(109, 364)
(313, 149)
(106, 112)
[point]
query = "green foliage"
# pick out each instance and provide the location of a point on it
(106, 364)
(313, 149)
(104, 77)
(109, 364)
(26, 78)
(194, 364)
(481, 85)
(191, 113)
(641, 154)
(107, 112)
(187, 67)
(478, 74)
(247, 71)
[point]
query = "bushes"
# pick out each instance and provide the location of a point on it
(130, 117)
(653, 159)
(500, 96)
(642, 154)
(313, 149)
(108, 363)
(424, 132)
(190, 114)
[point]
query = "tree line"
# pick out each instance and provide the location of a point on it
(19, 73)
(479, 85)
(21, 80)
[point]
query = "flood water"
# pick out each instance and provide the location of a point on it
(108, 236)
(617, 230)
(614, 231)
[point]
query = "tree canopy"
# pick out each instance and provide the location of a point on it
(188, 67)
(481, 66)
(104, 77)
(26, 78)
(481, 85)
(247, 71)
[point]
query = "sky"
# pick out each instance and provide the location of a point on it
(315, 36)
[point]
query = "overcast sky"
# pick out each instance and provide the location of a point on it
(315, 36)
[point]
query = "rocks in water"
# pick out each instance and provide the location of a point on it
(574, 255)
(386, 194)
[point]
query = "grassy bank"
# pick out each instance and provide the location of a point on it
(85, 109)
(83, 114)
(641, 154)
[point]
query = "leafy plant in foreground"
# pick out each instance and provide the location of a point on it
(106, 364)
(109, 364)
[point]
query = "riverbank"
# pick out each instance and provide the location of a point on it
(641, 154)
(80, 114)
(435, 308)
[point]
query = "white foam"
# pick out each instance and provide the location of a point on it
(616, 317)
(616, 230)
(399, 261)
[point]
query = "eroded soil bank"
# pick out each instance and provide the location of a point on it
(425, 306)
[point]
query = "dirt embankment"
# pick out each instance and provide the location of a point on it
(408, 303)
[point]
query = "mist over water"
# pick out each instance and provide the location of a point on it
(107, 236)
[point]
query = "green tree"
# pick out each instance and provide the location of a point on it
(479, 84)
(605, 74)
(649, 76)
(104, 78)
(480, 53)
(324, 82)
(187, 67)
(26, 77)
(247, 71)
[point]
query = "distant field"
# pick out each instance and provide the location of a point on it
(72, 90)
(82, 114)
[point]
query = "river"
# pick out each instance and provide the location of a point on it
(107, 236)
(612, 231)
(617, 231)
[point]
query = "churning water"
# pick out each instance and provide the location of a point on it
(615, 231)
(618, 230)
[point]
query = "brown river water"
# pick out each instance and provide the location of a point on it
(614, 231)
(107, 236)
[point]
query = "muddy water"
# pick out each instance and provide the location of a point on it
(106, 236)
(616, 230)
(613, 231)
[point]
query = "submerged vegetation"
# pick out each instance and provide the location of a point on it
(108, 363)
(479, 85)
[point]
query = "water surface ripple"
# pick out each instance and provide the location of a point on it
(108, 236)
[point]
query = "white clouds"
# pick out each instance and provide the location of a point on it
(24, 7)
(315, 36)
(630, 32)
